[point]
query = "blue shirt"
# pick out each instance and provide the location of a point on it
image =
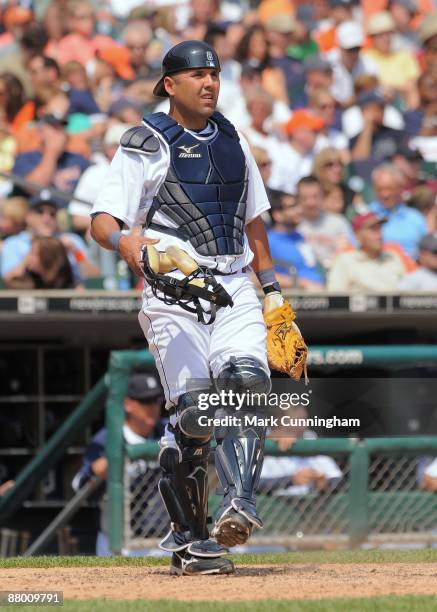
(15, 249)
(291, 248)
(405, 225)
(69, 169)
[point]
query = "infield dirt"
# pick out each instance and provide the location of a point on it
(296, 581)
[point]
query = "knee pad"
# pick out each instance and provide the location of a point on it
(188, 413)
(241, 374)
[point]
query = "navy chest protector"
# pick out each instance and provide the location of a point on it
(204, 193)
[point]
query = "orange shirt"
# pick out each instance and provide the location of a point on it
(78, 48)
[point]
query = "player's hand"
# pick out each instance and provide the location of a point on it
(54, 139)
(100, 467)
(130, 246)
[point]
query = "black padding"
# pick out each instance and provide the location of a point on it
(141, 139)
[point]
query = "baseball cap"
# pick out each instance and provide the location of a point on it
(143, 387)
(428, 28)
(370, 97)
(45, 196)
(366, 220)
(304, 118)
(410, 5)
(342, 3)
(317, 63)
(283, 23)
(122, 103)
(380, 23)
(350, 35)
(429, 243)
(119, 58)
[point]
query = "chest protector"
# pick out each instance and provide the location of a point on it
(204, 193)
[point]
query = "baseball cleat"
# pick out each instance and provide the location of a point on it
(232, 528)
(185, 564)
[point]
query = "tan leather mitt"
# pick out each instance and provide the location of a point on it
(286, 349)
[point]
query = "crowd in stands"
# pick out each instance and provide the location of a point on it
(337, 99)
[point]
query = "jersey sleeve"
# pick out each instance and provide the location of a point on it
(257, 200)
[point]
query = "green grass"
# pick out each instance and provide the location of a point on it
(408, 603)
(335, 556)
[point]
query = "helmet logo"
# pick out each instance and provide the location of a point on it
(210, 59)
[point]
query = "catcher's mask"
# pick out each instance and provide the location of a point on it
(198, 284)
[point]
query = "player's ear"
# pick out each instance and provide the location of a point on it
(169, 85)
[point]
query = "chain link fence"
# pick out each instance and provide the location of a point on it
(305, 507)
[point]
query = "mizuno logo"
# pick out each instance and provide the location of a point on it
(187, 152)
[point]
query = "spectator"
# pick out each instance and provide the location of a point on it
(352, 120)
(280, 32)
(253, 48)
(46, 266)
(41, 221)
(409, 162)
(137, 37)
(329, 169)
(142, 422)
(340, 12)
(295, 262)
(428, 481)
(421, 121)
(44, 72)
(326, 232)
(405, 225)
(47, 155)
(13, 214)
(424, 200)
(425, 278)
(369, 267)
(397, 70)
(322, 104)
(376, 143)
(203, 12)
(304, 44)
(297, 155)
(292, 475)
(428, 37)
(348, 62)
(264, 163)
(13, 102)
(318, 75)
(403, 13)
(80, 44)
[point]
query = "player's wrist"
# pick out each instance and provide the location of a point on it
(268, 282)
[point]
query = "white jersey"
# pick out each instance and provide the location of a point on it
(134, 179)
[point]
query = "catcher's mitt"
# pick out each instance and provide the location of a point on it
(286, 349)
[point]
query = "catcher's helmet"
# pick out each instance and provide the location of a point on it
(186, 56)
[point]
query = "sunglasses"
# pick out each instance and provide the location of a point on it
(332, 164)
(46, 211)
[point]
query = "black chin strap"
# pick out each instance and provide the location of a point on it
(187, 295)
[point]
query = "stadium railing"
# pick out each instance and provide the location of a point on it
(377, 499)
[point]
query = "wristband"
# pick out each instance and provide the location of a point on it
(273, 288)
(114, 239)
(268, 282)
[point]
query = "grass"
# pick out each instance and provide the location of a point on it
(408, 603)
(334, 556)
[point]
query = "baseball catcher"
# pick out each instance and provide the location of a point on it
(189, 179)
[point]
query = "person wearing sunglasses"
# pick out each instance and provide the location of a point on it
(42, 222)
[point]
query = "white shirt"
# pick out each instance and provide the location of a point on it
(89, 186)
(134, 179)
(343, 81)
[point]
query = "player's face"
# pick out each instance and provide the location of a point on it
(195, 91)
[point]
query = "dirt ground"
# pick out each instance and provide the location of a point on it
(306, 581)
